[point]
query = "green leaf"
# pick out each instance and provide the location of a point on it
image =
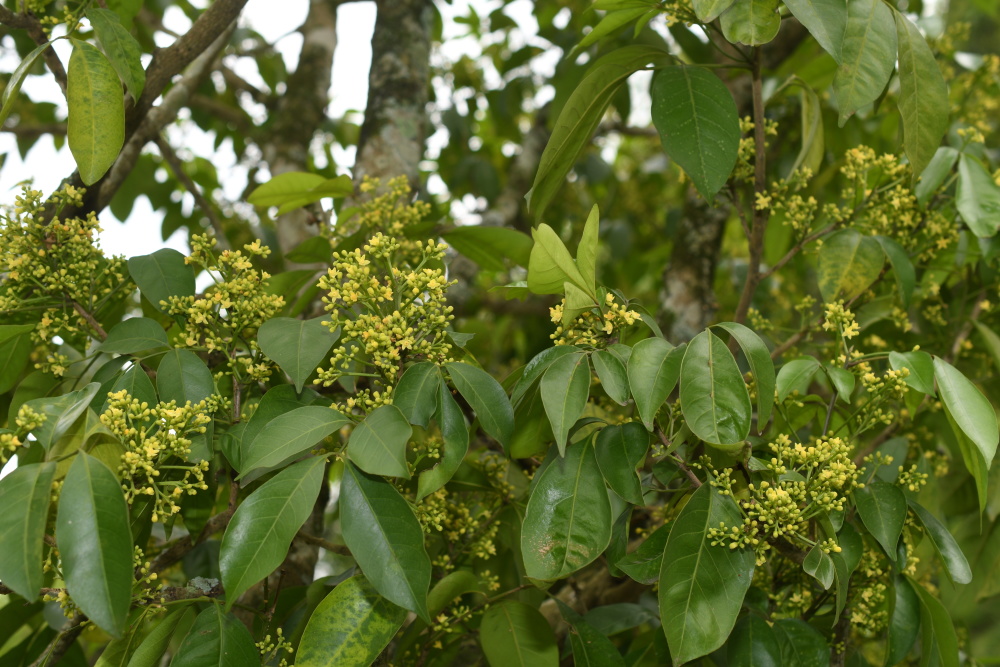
(121, 49)
(455, 433)
(298, 346)
(150, 651)
(289, 435)
(591, 648)
(813, 139)
(868, 56)
(565, 388)
(451, 586)
(16, 80)
(992, 341)
(923, 95)
(801, 644)
(753, 644)
(698, 124)
(612, 374)
(643, 564)
(702, 586)
(977, 197)
(796, 375)
(970, 409)
(550, 265)
(843, 380)
(586, 252)
(709, 10)
(386, 539)
(513, 634)
(567, 523)
(938, 640)
(61, 412)
(935, 173)
(125, 9)
(295, 189)
(535, 368)
(904, 625)
(161, 275)
(24, 495)
(612, 21)
(882, 508)
(956, 566)
(921, 367)
(135, 382)
(902, 268)
(825, 20)
(973, 458)
(761, 366)
(95, 543)
(486, 397)
(136, 334)
(351, 626)
(580, 116)
(95, 127)
(714, 398)
(15, 353)
(378, 444)
(620, 449)
(182, 376)
(216, 639)
(416, 392)
(653, 369)
(848, 263)
(751, 22)
(820, 566)
(261, 531)
(488, 246)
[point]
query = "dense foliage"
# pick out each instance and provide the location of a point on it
(721, 396)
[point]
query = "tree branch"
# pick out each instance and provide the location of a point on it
(325, 544)
(167, 151)
(30, 24)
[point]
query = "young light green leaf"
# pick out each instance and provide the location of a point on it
(150, 651)
(486, 397)
(586, 252)
(95, 543)
(513, 634)
(136, 334)
(698, 124)
(935, 173)
(620, 449)
(550, 265)
(923, 95)
(902, 267)
(819, 565)
(882, 508)
(761, 366)
(61, 412)
(261, 531)
(416, 392)
(567, 523)
(937, 631)
(702, 586)
(848, 263)
(351, 626)
(956, 566)
(455, 434)
(970, 409)
(378, 444)
(825, 20)
(217, 639)
(921, 368)
(751, 22)
(161, 275)
(24, 495)
(867, 55)
(643, 564)
(904, 626)
(653, 369)
(298, 346)
(565, 388)
(295, 189)
(289, 435)
(534, 369)
(709, 10)
(95, 126)
(614, 20)
(120, 47)
(612, 374)
(386, 539)
(17, 80)
(977, 197)
(973, 458)
(753, 644)
(796, 376)
(182, 376)
(714, 399)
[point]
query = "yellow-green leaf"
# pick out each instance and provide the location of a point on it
(923, 95)
(868, 55)
(96, 123)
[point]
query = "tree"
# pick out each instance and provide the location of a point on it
(717, 390)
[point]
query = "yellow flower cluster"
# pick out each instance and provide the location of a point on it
(26, 421)
(389, 210)
(157, 442)
(458, 523)
(869, 611)
(595, 327)
(270, 648)
(840, 319)
(226, 317)
(744, 170)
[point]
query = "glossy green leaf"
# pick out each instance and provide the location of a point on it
(709, 10)
(751, 22)
(15, 348)
(488, 246)
(567, 523)
(61, 413)
(848, 263)
(217, 639)
(550, 265)
(977, 197)
(121, 48)
(378, 444)
(825, 20)
(796, 376)
(135, 334)
(416, 392)
(882, 508)
(535, 368)
(298, 346)
(970, 409)
(801, 644)
(620, 449)
(486, 397)
(586, 252)
(455, 434)
(16, 80)
(149, 652)
(753, 644)
(513, 634)
(565, 388)
(386, 539)
(643, 564)
(24, 495)
(295, 189)
(95, 543)
(956, 566)
(867, 55)
(612, 374)
(923, 95)
(95, 127)
(161, 275)
(591, 648)
(904, 625)
(261, 531)
(350, 627)
(973, 458)
(934, 175)
(653, 369)
(702, 586)
(714, 398)
(182, 376)
(938, 641)
(581, 115)
(698, 124)
(921, 367)
(902, 268)
(291, 434)
(761, 367)
(819, 565)
(843, 381)
(451, 586)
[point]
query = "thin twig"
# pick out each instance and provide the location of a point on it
(61, 643)
(695, 482)
(89, 318)
(325, 544)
